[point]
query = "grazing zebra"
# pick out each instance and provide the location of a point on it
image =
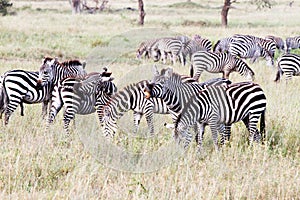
(288, 64)
(203, 42)
(218, 105)
(277, 40)
(248, 50)
(164, 47)
(189, 48)
(79, 96)
(218, 63)
(145, 48)
(131, 98)
(256, 47)
(176, 90)
(292, 43)
(222, 45)
(20, 87)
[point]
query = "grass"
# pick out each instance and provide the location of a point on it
(40, 165)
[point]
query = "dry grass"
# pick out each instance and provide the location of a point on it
(36, 165)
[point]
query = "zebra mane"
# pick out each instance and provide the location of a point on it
(69, 63)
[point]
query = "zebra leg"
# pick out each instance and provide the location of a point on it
(181, 132)
(254, 133)
(22, 108)
(45, 105)
(149, 119)
(11, 107)
(199, 130)
(214, 132)
(225, 130)
(136, 120)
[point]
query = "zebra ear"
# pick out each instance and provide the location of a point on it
(155, 70)
(56, 59)
(83, 64)
(168, 72)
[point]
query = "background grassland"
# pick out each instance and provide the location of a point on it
(36, 165)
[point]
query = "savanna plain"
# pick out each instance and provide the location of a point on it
(39, 164)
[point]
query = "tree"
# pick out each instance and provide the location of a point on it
(142, 12)
(228, 4)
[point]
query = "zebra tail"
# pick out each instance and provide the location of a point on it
(215, 46)
(192, 71)
(263, 126)
(278, 75)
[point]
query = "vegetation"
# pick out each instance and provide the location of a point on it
(39, 165)
(4, 4)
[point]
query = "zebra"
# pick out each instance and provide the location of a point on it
(189, 49)
(20, 86)
(164, 47)
(79, 96)
(222, 45)
(256, 47)
(131, 98)
(218, 63)
(288, 64)
(203, 42)
(24, 87)
(218, 105)
(278, 41)
(145, 48)
(292, 43)
(176, 90)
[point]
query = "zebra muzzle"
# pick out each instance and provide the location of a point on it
(147, 94)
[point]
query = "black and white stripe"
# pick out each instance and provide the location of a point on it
(288, 64)
(203, 42)
(218, 105)
(165, 47)
(292, 43)
(222, 45)
(176, 90)
(218, 63)
(277, 40)
(20, 86)
(79, 96)
(248, 46)
(54, 71)
(131, 98)
(145, 48)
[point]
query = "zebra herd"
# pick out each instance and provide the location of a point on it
(217, 103)
(227, 55)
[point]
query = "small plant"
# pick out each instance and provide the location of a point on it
(4, 4)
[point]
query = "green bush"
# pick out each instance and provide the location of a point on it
(4, 4)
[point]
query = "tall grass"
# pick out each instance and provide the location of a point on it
(36, 164)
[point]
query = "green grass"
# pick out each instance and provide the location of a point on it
(40, 165)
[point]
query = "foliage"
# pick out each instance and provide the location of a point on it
(4, 4)
(262, 4)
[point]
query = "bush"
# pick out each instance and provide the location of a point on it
(4, 4)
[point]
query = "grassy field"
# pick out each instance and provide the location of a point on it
(40, 165)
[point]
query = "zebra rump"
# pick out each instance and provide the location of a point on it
(288, 64)
(225, 104)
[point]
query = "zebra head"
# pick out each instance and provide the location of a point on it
(159, 84)
(243, 69)
(46, 71)
(109, 125)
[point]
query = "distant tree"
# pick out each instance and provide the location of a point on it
(142, 12)
(4, 4)
(228, 4)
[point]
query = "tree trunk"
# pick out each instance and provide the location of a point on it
(224, 12)
(142, 12)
